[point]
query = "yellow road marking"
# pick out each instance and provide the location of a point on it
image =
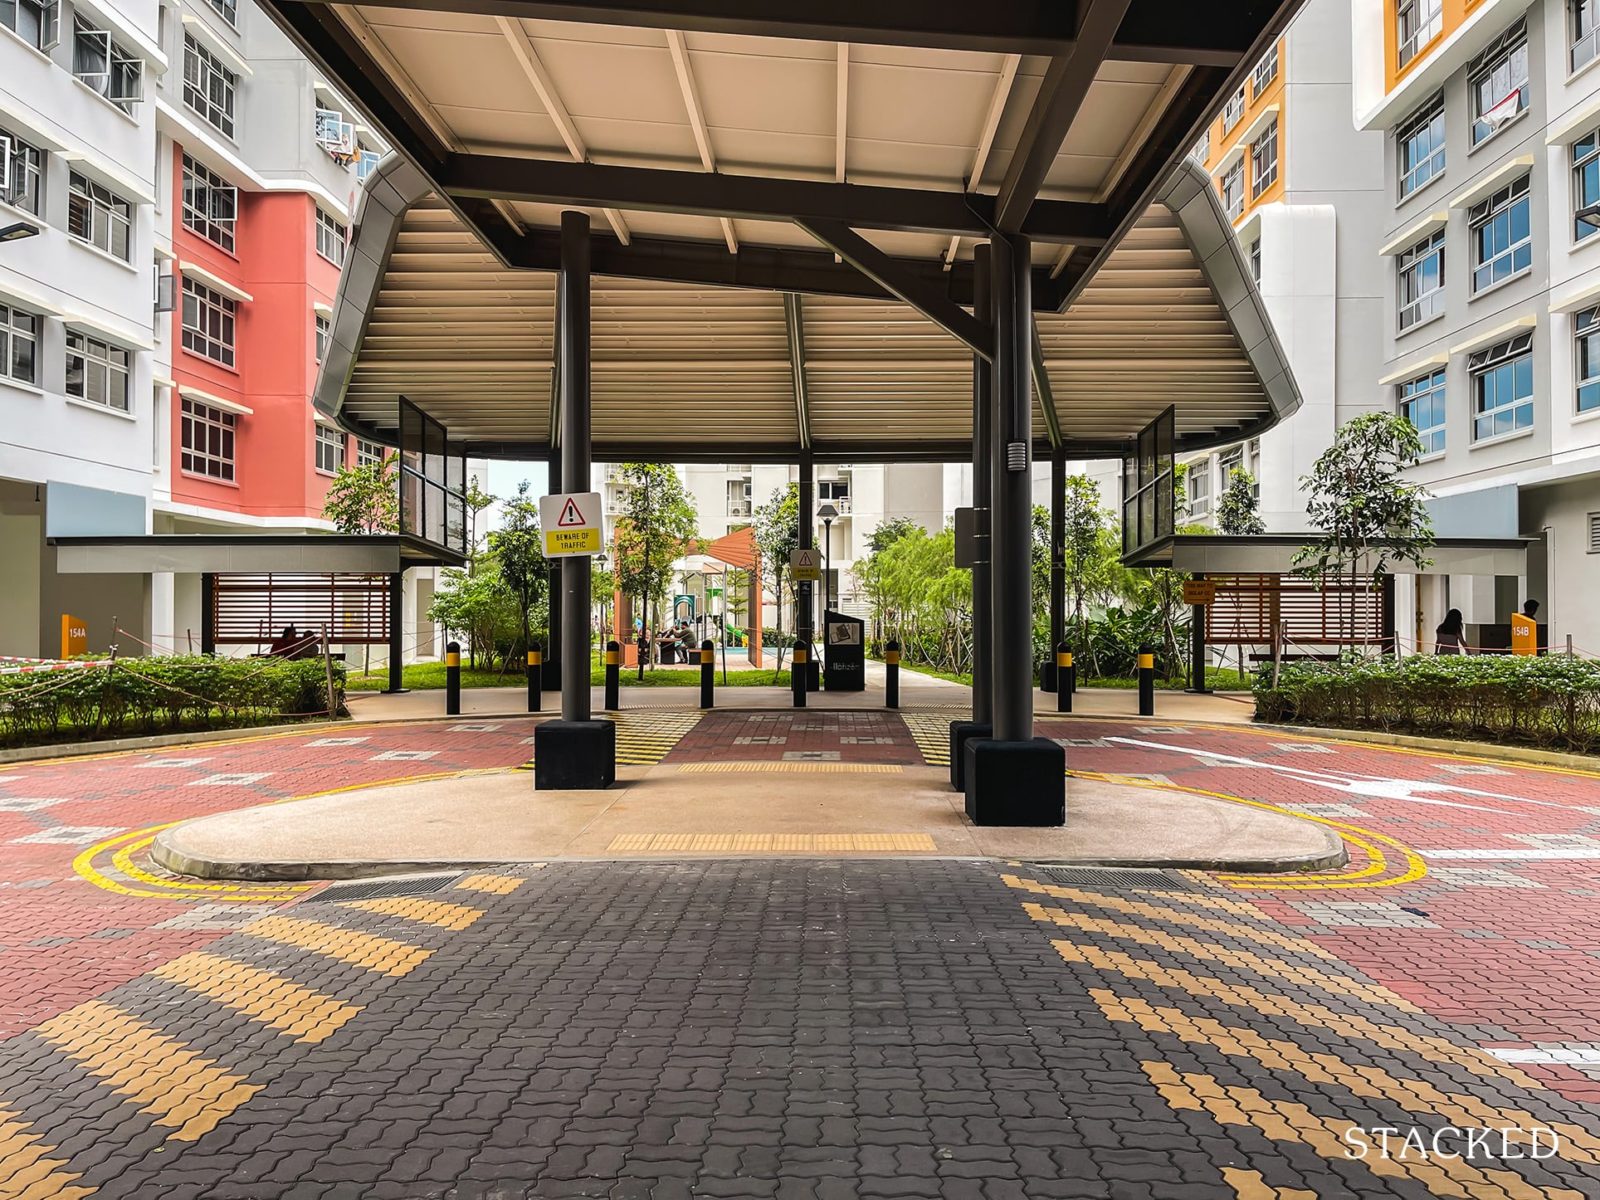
(413, 908)
(184, 1091)
(1251, 1186)
(26, 1170)
(383, 955)
(498, 885)
(1242, 908)
(790, 768)
(1414, 1095)
(1287, 1121)
(123, 861)
(1250, 933)
(773, 843)
(265, 996)
(1316, 1015)
(1296, 973)
(83, 866)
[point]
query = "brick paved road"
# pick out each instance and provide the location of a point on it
(900, 1027)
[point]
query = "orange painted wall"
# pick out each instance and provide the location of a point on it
(1454, 13)
(274, 261)
(1219, 143)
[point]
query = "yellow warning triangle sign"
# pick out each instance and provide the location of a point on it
(570, 514)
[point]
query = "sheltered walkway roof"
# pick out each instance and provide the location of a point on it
(786, 200)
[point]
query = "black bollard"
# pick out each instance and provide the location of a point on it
(1064, 678)
(535, 677)
(891, 674)
(708, 673)
(1147, 682)
(644, 653)
(799, 668)
(613, 676)
(452, 679)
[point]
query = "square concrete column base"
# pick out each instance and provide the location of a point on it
(960, 733)
(1016, 783)
(574, 754)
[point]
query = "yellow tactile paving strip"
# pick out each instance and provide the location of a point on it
(773, 843)
(427, 912)
(29, 1171)
(182, 1090)
(790, 768)
(380, 954)
(494, 885)
(645, 738)
(302, 1013)
(931, 733)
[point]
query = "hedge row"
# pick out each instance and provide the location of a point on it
(1551, 701)
(161, 695)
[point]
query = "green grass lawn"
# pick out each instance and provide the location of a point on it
(426, 676)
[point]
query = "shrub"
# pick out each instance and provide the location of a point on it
(1553, 701)
(161, 695)
(776, 639)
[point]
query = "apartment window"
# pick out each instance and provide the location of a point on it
(21, 172)
(368, 454)
(1264, 161)
(1502, 245)
(1233, 189)
(1202, 148)
(1421, 142)
(1233, 110)
(97, 372)
(1497, 81)
(208, 322)
(207, 435)
(1266, 71)
(19, 345)
(210, 204)
(1502, 388)
(324, 334)
(334, 134)
(1584, 29)
(1198, 483)
(1255, 259)
(1418, 21)
(228, 10)
(208, 86)
(1229, 462)
(97, 215)
(738, 497)
(1422, 403)
(1585, 180)
(106, 67)
(37, 22)
(1586, 342)
(1421, 280)
(367, 161)
(330, 239)
(330, 449)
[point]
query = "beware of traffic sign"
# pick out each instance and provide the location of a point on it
(805, 565)
(571, 523)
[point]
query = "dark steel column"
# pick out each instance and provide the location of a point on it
(982, 449)
(1010, 488)
(397, 596)
(208, 613)
(1058, 561)
(550, 669)
(805, 596)
(575, 457)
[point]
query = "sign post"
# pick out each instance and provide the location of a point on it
(74, 636)
(805, 565)
(571, 523)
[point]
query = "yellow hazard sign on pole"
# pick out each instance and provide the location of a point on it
(571, 522)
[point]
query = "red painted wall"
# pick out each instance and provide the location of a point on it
(276, 262)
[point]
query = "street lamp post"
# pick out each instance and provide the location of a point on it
(827, 511)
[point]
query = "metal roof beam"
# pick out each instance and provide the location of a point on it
(759, 198)
(1168, 31)
(794, 327)
(889, 275)
(1061, 96)
(1041, 386)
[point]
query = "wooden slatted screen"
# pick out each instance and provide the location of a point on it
(251, 610)
(1317, 612)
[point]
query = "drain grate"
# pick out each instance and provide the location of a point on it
(392, 885)
(1116, 877)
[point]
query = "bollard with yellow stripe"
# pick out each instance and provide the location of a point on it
(535, 677)
(613, 676)
(891, 674)
(1066, 678)
(708, 674)
(452, 679)
(1147, 682)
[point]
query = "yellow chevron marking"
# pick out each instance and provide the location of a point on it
(498, 885)
(790, 768)
(429, 912)
(774, 843)
(265, 996)
(1251, 1186)
(1287, 1121)
(1240, 908)
(1279, 968)
(1414, 1095)
(26, 1170)
(1266, 937)
(380, 954)
(1269, 1004)
(184, 1091)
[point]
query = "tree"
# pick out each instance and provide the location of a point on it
(1236, 507)
(657, 525)
(1089, 549)
(1368, 513)
(869, 569)
(519, 556)
(365, 499)
(477, 500)
(479, 607)
(777, 526)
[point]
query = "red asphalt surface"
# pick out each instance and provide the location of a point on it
(1507, 947)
